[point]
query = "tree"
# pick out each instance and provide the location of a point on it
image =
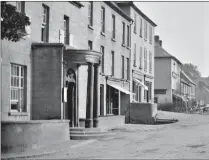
(13, 23)
(191, 70)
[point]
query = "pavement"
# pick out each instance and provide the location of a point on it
(187, 138)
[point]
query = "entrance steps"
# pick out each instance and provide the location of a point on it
(81, 133)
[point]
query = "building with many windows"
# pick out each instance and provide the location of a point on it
(109, 33)
(72, 63)
(142, 54)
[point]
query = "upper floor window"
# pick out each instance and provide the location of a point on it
(123, 38)
(45, 24)
(20, 5)
(103, 19)
(90, 45)
(18, 88)
(140, 27)
(145, 30)
(127, 68)
(150, 34)
(135, 22)
(112, 63)
(140, 58)
(128, 36)
(66, 29)
(122, 67)
(174, 67)
(134, 54)
(90, 13)
(150, 62)
(102, 51)
(145, 59)
(113, 26)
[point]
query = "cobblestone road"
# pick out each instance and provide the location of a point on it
(188, 138)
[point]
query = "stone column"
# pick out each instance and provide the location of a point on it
(89, 95)
(119, 104)
(96, 95)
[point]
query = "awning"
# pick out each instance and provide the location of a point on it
(180, 96)
(140, 83)
(120, 89)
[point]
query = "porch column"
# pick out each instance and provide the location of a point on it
(96, 95)
(90, 94)
(119, 104)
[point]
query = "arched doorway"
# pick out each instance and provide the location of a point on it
(71, 96)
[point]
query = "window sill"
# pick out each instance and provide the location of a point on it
(140, 67)
(128, 47)
(134, 65)
(102, 74)
(140, 36)
(123, 45)
(102, 33)
(90, 27)
(135, 32)
(150, 43)
(113, 39)
(13, 113)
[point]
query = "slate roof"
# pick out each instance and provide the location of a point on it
(162, 53)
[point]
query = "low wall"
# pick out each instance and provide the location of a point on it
(20, 136)
(107, 122)
(165, 107)
(142, 113)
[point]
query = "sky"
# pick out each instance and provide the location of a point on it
(183, 28)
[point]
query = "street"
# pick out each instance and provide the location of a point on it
(188, 138)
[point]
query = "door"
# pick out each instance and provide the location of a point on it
(71, 111)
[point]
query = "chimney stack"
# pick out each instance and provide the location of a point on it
(157, 39)
(160, 43)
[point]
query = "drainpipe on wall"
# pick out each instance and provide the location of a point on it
(130, 72)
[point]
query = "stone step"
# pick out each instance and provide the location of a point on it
(88, 132)
(85, 129)
(90, 136)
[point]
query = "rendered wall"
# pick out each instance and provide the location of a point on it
(142, 113)
(23, 135)
(47, 82)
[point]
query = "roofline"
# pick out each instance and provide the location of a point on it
(138, 10)
(76, 3)
(118, 10)
(191, 81)
(172, 57)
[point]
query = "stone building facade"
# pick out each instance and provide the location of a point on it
(142, 54)
(53, 22)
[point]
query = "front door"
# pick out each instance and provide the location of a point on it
(71, 111)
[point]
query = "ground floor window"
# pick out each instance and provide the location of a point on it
(148, 93)
(137, 91)
(18, 88)
(112, 105)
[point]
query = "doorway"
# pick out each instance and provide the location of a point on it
(71, 108)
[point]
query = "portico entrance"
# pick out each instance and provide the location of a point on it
(75, 85)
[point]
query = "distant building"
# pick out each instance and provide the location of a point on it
(187, 88)
(172, 85)
(202, 90)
